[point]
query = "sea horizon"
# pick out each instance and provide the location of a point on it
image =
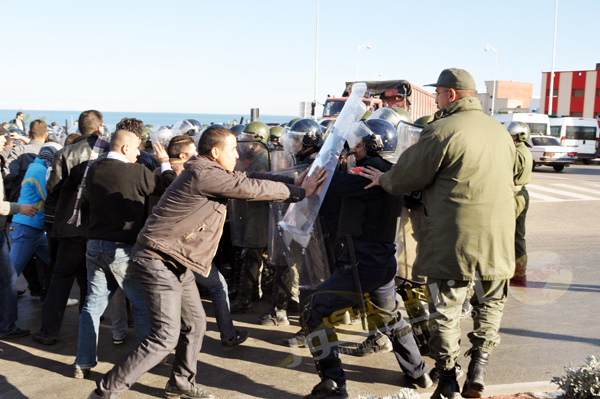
(149, 118)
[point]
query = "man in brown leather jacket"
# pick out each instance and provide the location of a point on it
(181, 235)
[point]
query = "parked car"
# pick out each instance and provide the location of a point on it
(546, 150)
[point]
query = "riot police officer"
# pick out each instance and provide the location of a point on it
(249, 220)
(303, 140)
(367, 265)
(522, 174)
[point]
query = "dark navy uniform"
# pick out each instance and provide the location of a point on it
(369, 218)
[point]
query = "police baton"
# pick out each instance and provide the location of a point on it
(354, 267)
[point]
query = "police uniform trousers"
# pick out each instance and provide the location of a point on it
(521, 207)
(448, 297)
(177, 320)
(339, 292)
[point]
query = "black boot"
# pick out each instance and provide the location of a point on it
(448, 387)
(328, 389)
(474, 383)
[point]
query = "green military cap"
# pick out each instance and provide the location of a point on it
(455, 78)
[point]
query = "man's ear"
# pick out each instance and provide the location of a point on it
(214, 152)
(453, 95)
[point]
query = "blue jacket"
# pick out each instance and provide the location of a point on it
(33, 191)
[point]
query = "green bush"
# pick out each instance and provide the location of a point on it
(581, 382)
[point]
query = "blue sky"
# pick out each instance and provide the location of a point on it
(230, 56)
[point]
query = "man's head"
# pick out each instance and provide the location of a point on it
(452, 85)
(132, 125)
(2, 141)
(19, 116)
(10, 142)
(38, 130)
(126, 144)
(181, 148)
(221, 145)
(359, 151)
(90, 122)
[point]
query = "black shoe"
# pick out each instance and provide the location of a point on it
(379, 343)
(239, 337)
(474, 384)
(17, 333)
(21, 292)
(297, 341)
(424, 381)
(241, 305)
(44, 340)
(278, 317)
(448, 387)
(197, 392)
(328, 389)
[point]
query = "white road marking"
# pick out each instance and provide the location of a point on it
(585, 190)
(561, 192)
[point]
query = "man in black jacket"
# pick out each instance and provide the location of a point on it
(117, 188)
(67, 172)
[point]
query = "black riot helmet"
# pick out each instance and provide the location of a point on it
(237, 129)
(382, 139)
(311, 130)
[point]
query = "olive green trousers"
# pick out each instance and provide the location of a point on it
(447, 298)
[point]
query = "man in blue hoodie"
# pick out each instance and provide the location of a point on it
(27, 233)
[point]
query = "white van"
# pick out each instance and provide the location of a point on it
(538, 123)
(582, 134)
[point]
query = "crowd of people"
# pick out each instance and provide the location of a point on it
(143, 236)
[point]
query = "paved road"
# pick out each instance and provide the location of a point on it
(552, 322)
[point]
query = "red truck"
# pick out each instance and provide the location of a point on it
(386, 93)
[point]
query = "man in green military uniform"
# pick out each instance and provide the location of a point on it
(522, 171)
(463, 163)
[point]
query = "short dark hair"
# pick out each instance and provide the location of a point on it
(9, 141)
(213, 137)
(19, 113)
(38, 129)
(90, 121)
(177, 144)
(132, 125)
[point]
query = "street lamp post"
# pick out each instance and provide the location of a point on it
(488, 48)
(358, 55)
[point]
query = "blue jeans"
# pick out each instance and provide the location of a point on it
(8, 290)
(217, 287)
(26, 241)
(108, 267)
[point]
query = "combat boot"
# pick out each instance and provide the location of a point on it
(328, 389)
(474, 383)
(377, 343)
(448, 387)
(277, 317)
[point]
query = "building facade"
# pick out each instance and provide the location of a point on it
(575, 93)
(510, 97)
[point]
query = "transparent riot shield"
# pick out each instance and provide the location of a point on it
(408, 238)
(281, 159)
(408, 134)
(308, 265)
(249, 220)
(300, 217)
(161, 134)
